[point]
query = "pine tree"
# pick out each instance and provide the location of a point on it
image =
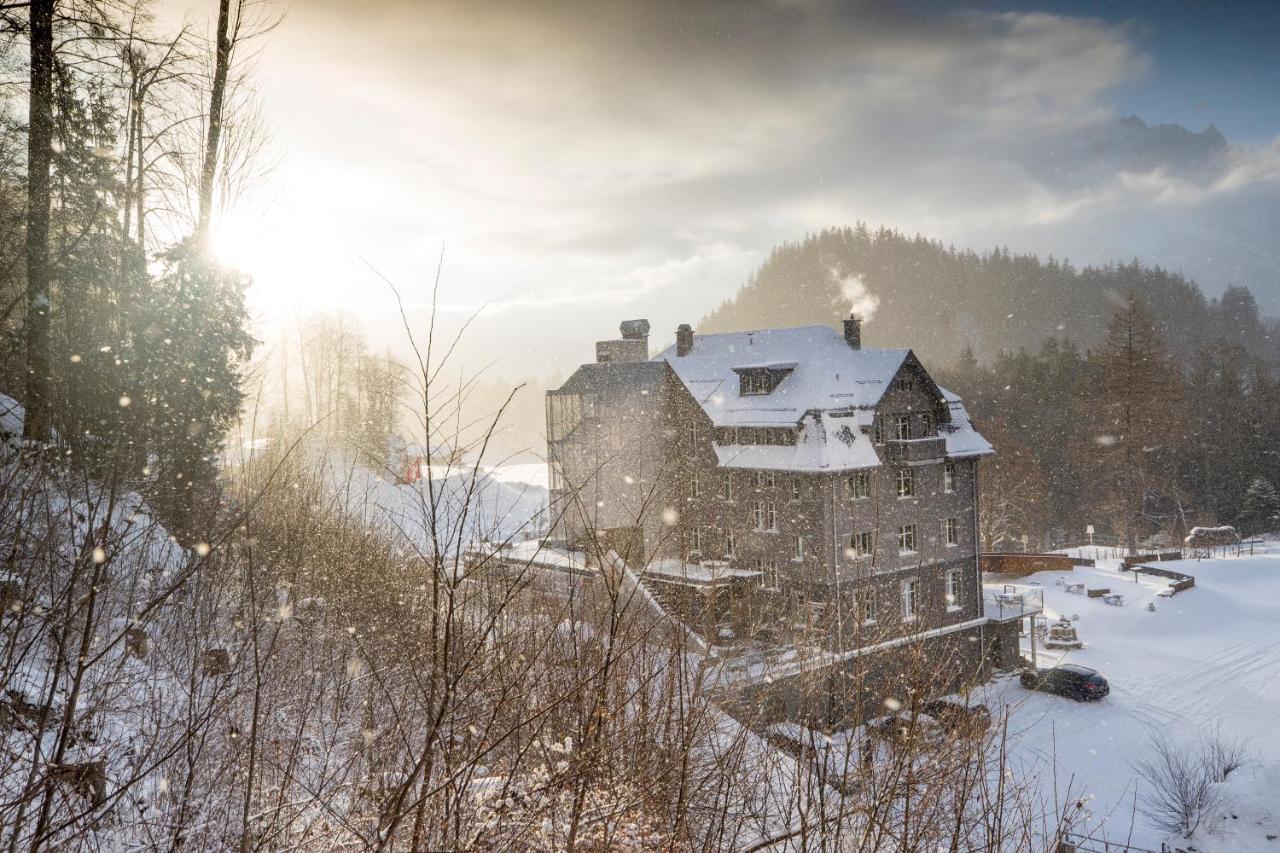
(1260, 511)
(1131, 419)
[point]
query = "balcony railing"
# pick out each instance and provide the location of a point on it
(915, 449)
(1014, 602)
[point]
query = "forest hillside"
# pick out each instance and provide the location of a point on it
(940, 300)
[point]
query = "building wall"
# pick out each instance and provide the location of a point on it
(649, 442)
(614, 464)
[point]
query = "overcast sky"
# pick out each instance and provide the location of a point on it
(587, 162)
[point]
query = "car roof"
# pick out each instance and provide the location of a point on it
(1077, 668)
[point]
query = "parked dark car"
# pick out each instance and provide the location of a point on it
(1077, 682)
(958, 717)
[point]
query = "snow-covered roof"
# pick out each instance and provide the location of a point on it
(830, 394)
(826, 442)
(962, 439)
(827, 374)
(699, 574)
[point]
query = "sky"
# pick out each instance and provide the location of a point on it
(583, 163)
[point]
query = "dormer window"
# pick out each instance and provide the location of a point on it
(759, 379)
(754, 382)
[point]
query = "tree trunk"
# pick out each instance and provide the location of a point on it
(213, 132)
(39, 147)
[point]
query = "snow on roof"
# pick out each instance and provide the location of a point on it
(827, 374)
(962, 439)
(826, 442)
(829, 394)
(709, 572)
(768, 365)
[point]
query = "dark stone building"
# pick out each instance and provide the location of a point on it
(776, 487)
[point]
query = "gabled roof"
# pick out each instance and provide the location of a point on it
(828, 374)
(830, 394)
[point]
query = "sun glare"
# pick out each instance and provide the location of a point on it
(296, 263)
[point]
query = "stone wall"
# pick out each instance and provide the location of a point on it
(854, 690)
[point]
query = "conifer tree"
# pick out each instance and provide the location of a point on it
(1260, 511)
(1130, 419)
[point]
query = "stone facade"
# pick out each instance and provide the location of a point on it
(849, 556)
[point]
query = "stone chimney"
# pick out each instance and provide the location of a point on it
(684, 339)
(632, 346)
(634, 330)
(853, 331)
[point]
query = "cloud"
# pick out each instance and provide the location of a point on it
(617, 157)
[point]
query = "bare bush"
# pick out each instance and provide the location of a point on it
(1222, 755)
(1181, 795)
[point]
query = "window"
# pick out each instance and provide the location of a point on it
(728, 486)
(953, 589)
(907, 539)
(862, 543)
(772, 516)
(697, 539)
(949, 478)
(692, 431)
(768, 573)
(730, 541)
(564, 414)
(751, 383)
(695, 486)
(795, 487)
(758, 515)
(556, 474)
(926, 424)
(879, 432)
(906, 483)
(864, 606)
(904, 383)
(909, 600)
(951, 529)
(902, 427)
(799, 549)
(860, 485)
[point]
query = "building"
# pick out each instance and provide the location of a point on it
(775, 486)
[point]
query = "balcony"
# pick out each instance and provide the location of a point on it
(930, 449)
(1013, 603)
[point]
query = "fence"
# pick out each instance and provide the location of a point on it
(1018, 565)
(1181, 580)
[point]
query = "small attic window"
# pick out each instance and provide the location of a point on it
(752, 382)
(762, 379)
(904, 383)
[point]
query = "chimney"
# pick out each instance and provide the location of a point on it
(632, 346)
(853, 331)
(634, 330)
(684, 339)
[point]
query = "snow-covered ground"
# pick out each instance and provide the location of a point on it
(470, 504)
(1206, 660)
